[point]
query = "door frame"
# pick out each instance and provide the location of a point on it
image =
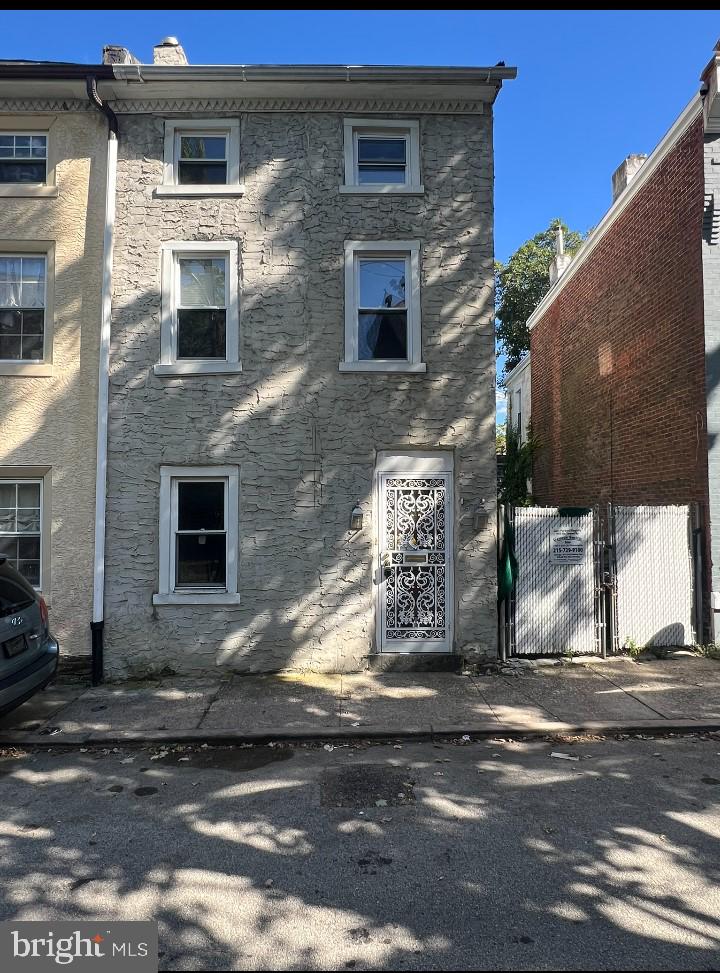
(415, 463)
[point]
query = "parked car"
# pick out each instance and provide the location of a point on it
(28, 652)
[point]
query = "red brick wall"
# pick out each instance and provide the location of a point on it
(618, 371)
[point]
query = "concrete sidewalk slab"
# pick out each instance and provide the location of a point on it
(259, 702)
(602, 696)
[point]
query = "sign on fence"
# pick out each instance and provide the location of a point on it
(567, 546)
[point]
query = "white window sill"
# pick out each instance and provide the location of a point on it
(28, 191)
(196, 598)
(180, 369)
(412, 368)
(216, 190)
(386, 189)
(26, 369)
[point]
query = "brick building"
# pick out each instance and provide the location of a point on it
(625, 345)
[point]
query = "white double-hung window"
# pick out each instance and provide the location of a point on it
(22, 307)
(382, 307)
(381, 156)
(201, 158)
(198, 535)
(21, 526)
(200, 309)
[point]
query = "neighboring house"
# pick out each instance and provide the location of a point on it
(53, 150)
(301, 445)
(517, 390)
(626, 344)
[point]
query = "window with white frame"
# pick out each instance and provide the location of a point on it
(201, 157)
(21, 526)
(23, 157)
(22, 307)
(382, 155)
(198, 534)
(382, 306)
(200, 313)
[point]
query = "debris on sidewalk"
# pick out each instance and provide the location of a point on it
(563, 756)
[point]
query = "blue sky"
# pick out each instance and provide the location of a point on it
(592, 87)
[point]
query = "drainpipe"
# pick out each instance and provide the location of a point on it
(98, 611)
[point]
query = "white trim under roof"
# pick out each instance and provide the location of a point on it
(521, 365)
(646, 171)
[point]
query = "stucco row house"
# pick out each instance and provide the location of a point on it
(625, 392)
(247, 360)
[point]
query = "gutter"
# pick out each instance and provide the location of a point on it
(312, 72)
(98, 610)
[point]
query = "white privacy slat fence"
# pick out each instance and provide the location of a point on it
(554, 607)
(654, 575)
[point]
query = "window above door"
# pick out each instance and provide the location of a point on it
(382, 306)
(381, 156)
(201, 158)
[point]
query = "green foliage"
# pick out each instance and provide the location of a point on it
(633, 648)
(500, 440)
(518, 468)
(521, 284)
(710, 651)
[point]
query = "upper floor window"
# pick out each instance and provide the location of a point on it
(23, 157)
(382, 155)
(382, 306)
(202, 157)
(22, 307)
(200, 314)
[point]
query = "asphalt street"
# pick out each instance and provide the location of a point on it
(471, 856)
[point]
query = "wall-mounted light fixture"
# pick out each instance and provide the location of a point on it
(481, 517)
(356, 517)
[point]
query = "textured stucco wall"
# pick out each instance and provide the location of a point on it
(50, 421)
(304, 435)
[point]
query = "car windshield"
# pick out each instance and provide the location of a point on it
(14, 596)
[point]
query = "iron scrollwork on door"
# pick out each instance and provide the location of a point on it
(414, 526)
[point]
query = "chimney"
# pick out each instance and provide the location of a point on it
(624, 173)
(114, 54)
(561, 260)
(169, 51)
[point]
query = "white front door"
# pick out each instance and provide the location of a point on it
(415, 570)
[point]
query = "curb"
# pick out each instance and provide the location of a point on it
(322, 734)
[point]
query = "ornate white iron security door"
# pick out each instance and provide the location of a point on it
(416, 562)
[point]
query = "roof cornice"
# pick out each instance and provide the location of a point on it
(645, 173)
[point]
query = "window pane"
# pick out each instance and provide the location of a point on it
(32, 170)
(7, 494)
(10, 269)
(10, 347)
(382, 283)
(33, 269)
(8, 547)
(382, 335)
(202, 173)
(202, 282)
(6, 145)
(29, 548)
(10, 321)
(28, 495)
(31, 348)
(373, 175)
(30, 570)
(201, 505)
(200, 560)
(380, 150)
(39, 146)
(7, 520)
(32, 321)
(202, 147)
(201, 334)
(28, 521)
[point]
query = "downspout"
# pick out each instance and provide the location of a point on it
(98, 611)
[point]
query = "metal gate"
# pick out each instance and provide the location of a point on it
(589, 581)
(652, 560)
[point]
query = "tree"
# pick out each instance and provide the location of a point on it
(521, 284)
(500, 440)
(518, 468)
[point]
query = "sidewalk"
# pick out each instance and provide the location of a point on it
(612, 695)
